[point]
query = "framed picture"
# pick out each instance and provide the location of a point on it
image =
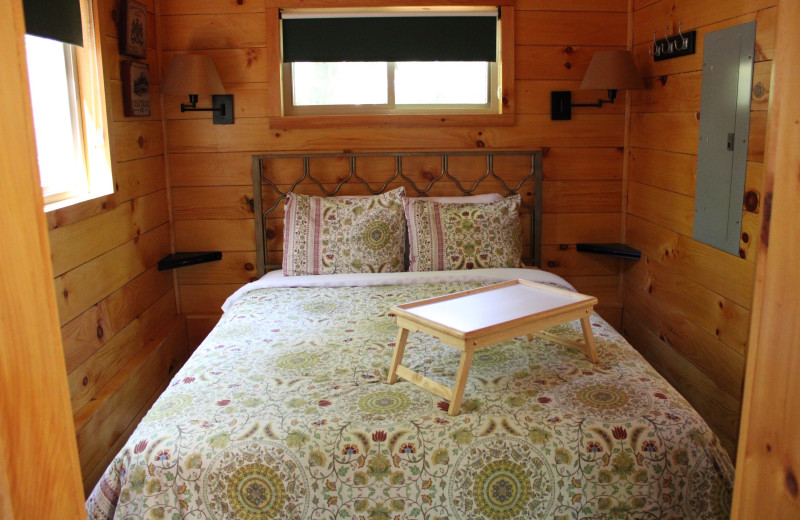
(136, 88)
(133, 28)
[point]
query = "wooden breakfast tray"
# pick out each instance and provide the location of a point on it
(473, 319)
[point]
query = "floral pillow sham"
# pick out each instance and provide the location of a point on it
(326, 235)
(444, 237)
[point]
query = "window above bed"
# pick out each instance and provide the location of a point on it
(404, 65)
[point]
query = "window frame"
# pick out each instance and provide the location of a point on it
(278, 119)
(87, 86)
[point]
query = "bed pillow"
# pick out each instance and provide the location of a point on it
(445, 237)
(326, 235)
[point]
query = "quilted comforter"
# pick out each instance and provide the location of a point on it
(283, 412)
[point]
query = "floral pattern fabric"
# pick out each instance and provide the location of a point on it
(283, 412)
(464, 235)
(327, 235)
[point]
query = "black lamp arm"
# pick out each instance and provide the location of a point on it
(222, 107)
(612, 95)
(561, 103)
(192, 106)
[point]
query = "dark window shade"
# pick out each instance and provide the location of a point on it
(432, 38)
(54, 19)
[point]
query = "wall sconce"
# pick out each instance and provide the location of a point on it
(195, 74)
(608, 70)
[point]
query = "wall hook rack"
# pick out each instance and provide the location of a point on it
(673, 46)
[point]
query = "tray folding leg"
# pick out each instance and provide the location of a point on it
(461, 381)
(588, 347)
(397, 357)
(455, 395)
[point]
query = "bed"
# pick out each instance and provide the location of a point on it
(284, 411)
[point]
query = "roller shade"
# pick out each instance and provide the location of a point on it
(390, 38)
(54, 19)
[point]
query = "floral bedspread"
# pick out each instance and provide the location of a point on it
(283, 412)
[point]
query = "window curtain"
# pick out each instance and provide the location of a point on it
(418, 37)
(58, 20)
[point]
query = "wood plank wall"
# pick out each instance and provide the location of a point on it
(210, 165)
(121, 333)
(687, 305)
(769, 463)
(39, 471)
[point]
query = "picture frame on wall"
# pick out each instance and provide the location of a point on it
(135, 88)
(133, 28)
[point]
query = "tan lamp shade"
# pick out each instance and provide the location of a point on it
(192, 74)
(612, 70)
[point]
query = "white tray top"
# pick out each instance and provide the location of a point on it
(483, 309)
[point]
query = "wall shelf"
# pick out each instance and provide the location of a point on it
(611, 249)
(182, 259)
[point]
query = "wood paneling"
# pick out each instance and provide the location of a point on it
(586, 196)
(570, 28)
(766, 480)
(555, 62)
(666, 208)
(76, 244)
(135, 178)
(256, 135)
(205, 299)
(666, 170)
(39, 468)
(211, 6)
(619, 6)
(569, 261)
(687, 305)
(235, 267)
(723, 366)
(213, 31)
(101, 322)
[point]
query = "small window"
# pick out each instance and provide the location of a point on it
(56, 118)
(391, 61)
(68, 112)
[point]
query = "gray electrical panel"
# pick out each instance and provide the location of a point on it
(728, 57)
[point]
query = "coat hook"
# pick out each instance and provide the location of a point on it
(684, 39)
(670, 44)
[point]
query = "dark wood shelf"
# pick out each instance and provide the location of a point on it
(611, 249)
(182, 259)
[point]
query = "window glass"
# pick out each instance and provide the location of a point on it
(56, 117)
(445, 83)
(343, 83)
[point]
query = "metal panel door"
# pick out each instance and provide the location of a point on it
(724, 129)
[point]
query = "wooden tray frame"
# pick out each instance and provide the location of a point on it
(469, 341)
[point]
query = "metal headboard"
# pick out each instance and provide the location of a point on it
(532, 178)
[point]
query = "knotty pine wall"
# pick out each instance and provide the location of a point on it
(210, 167)
(122, 336)
(687, 305)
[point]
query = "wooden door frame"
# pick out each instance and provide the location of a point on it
(39, 469)
(768, 467)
